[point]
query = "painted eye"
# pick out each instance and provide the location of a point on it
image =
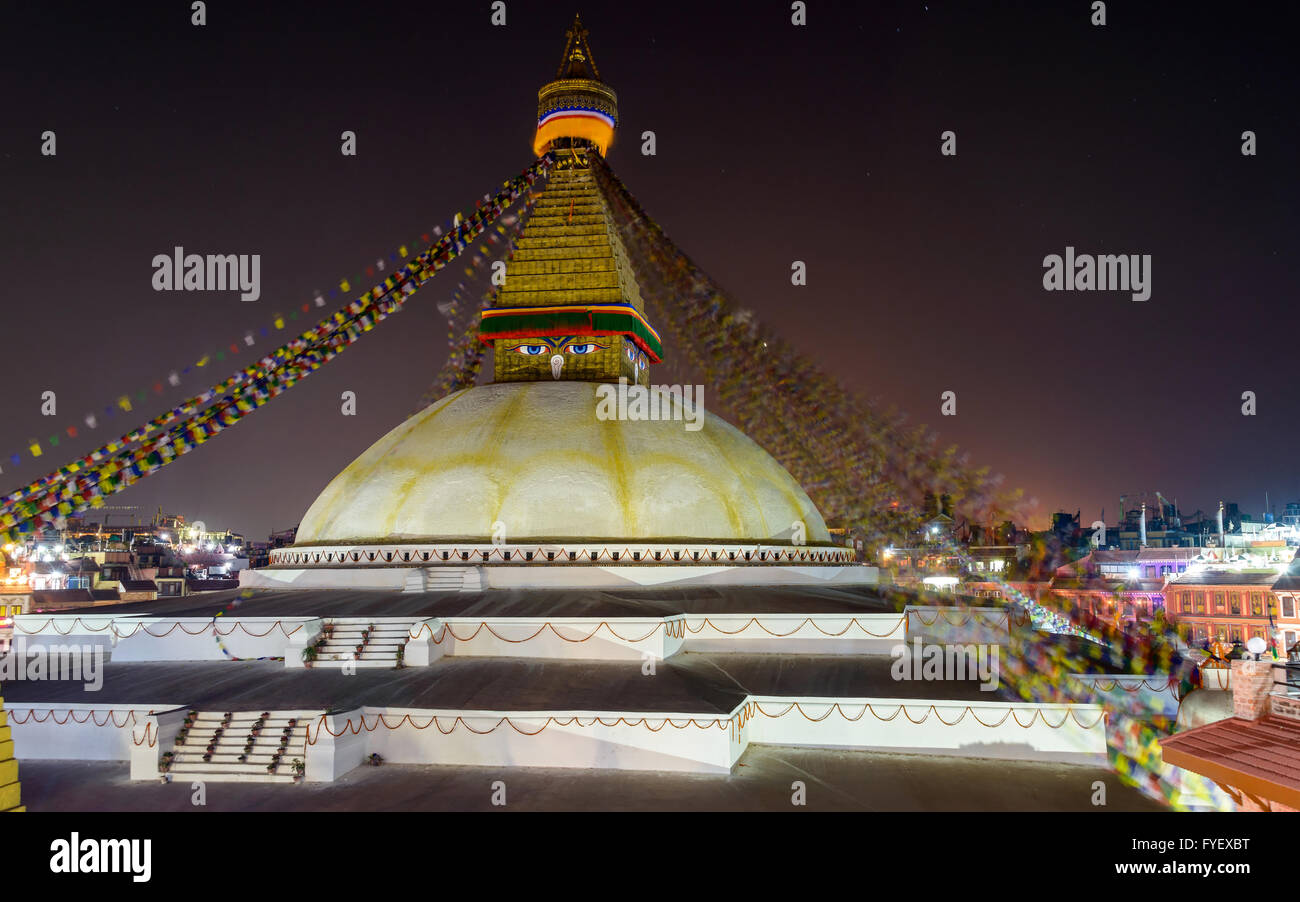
(530, 350)
(588, 348)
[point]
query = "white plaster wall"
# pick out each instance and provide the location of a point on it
(485, 739)
(155, 735)
(794, 633)
(42, 631)
(620, 639)
(958, 625)
(509, 576)
(334, 746)
(1132, 694)
(854, 726)
(191, 639)
(505, 576)
(85, 741)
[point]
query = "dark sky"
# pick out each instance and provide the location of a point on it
(775, 143)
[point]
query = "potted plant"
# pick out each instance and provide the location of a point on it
(401, 656)
(298, 767)
(375, 760)
(309, 655)
(165, 764)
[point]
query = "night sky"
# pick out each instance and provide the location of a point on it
(775, 143)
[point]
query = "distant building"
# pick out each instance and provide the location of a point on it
(1120, 586)
(139, 590)
(1234, 604)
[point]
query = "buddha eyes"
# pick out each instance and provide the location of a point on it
(539, 350)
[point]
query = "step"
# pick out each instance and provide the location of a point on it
(234, 768)
(340, 637)
(238, 742)
(207, 732)
(234, 750)
(211, 776)
(231, 756)
(560, 206)
(242, 735)
(237, 747)
(224, 774)
(348, 654)
(239, 723)
(203, 737)
(218, 760)
(343, 647)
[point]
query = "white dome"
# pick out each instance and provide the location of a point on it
(531, 461)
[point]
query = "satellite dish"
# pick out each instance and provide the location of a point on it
(1256, 645)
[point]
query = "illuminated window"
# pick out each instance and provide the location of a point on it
(1288, 607)
(1256, 605)
(1236, 604)
(1218, 602)
(1200, 602)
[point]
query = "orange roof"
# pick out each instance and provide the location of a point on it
(1259, 757)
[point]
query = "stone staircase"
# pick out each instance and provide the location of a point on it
(210, 749)
(378, 649)
(443, 579)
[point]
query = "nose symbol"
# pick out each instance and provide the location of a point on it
(557, 364)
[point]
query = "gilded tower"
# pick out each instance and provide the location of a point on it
(571, 308)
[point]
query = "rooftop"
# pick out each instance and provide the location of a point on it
(1259, 757)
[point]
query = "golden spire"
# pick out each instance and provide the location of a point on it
(577, 61)
(577, 109)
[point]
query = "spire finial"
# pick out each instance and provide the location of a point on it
(577, 61)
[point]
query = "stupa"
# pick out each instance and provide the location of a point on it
(543, 478)
(522, 575)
